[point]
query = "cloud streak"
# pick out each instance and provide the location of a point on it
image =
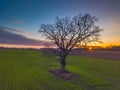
(18, 21)
(12, 36)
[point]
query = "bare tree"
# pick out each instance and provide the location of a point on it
(68, 32)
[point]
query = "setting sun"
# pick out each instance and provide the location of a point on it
(90, 48)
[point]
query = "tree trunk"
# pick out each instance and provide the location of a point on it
(63, 63)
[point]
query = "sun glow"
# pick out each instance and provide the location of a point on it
(20, 46)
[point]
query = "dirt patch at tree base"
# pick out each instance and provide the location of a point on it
(66, 75)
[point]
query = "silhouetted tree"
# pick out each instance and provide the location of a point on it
(68, 32)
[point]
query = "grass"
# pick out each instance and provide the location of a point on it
(29, 70)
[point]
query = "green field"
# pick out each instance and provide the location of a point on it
(29, 70)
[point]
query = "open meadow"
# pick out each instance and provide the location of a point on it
(30, 70)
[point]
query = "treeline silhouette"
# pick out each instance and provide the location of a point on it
(113, 48)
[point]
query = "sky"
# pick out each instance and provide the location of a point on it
(20, 19)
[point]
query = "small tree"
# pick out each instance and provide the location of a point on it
(68, 32)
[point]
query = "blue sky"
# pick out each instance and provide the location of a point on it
(27, 15)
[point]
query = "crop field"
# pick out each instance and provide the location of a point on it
(105, 54)
(30, 70)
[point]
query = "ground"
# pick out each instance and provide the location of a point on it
(30, 70)
(105, 54)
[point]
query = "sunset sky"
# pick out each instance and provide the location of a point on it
(20, 19)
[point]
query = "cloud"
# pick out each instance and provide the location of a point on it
(16, 31)
(12, 36)
(115, 25)
(18, 21)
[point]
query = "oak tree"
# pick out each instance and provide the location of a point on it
(68, 32)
